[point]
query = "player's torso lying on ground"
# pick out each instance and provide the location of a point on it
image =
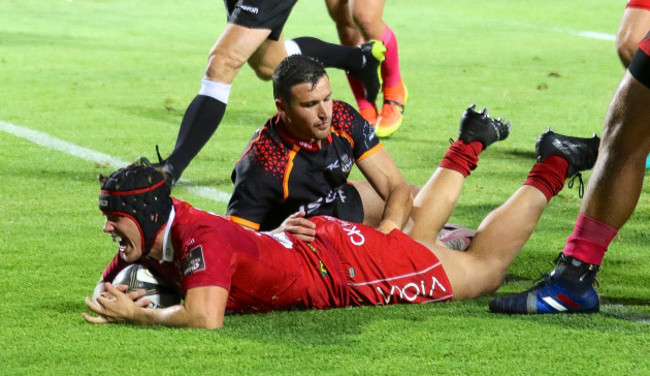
(278, 176)
(348, 264)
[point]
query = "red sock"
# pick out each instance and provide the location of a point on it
(390, 67)
(589, 240)
(358, 92)
(462, 157)
(548, 176)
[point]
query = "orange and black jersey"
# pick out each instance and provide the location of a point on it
(277, 176)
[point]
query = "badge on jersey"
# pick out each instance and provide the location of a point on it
(193, 262)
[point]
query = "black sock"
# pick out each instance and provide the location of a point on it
(200, 121)
(331, 55)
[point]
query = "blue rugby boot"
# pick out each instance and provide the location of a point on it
(479, 126)
(567, 289)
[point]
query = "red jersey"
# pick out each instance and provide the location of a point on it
(643, 4)
(348, 264)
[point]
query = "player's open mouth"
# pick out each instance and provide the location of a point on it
(118, 239)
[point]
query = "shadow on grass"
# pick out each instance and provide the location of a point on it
(526, 154)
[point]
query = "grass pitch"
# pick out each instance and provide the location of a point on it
(116, 76)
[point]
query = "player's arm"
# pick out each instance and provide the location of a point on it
(384, 176)
(204, 307)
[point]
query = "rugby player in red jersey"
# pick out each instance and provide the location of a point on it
(219, 266)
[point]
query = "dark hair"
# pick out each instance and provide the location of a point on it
(139, 192)
(295, 70)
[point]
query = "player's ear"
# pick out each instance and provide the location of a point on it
(280, 105)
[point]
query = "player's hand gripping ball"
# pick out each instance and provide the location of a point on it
(137, 277)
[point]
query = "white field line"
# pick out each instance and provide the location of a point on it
(210, 193)
(594, 35)
(51, 142)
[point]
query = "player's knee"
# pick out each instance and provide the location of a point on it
(263, 71)
(223, 67)
(625, 48)
(368, 23)
(349, 36)
(490, 278)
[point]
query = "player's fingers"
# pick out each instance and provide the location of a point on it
(303, 222)
(122, 287)
(136, 294)
(95, 307)
(305, 238)
(297, 230)
(300, 214)
(94, 319)
(143, 303)
(113, 290)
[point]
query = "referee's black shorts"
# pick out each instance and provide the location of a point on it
(260, 14)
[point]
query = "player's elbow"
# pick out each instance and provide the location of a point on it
(213, 326)
(207, 322)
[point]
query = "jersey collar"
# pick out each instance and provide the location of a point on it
(168, 249)
(310, 146)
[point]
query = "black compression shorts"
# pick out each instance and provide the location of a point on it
(260, 14)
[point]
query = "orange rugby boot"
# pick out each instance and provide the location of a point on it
(392, 112)
(370, 114)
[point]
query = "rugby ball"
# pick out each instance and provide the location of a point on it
(138, 276)
(456, 237)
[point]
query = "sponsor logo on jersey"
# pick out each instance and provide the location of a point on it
(344, 163)
(355, 235)
(368, 135)
(193, 262)
(334, 165)
(313, 206)
(411, 291)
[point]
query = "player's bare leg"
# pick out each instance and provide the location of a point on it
(349, 35)
(434, 203)
(233, 48)
(617, 180)
(633, 27)
(611, 197)
(203, 116)
(269, 54)
(367, 15)
(503, 233)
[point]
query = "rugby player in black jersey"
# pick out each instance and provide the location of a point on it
(300, 160)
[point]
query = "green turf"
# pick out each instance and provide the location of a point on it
(116, 77)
